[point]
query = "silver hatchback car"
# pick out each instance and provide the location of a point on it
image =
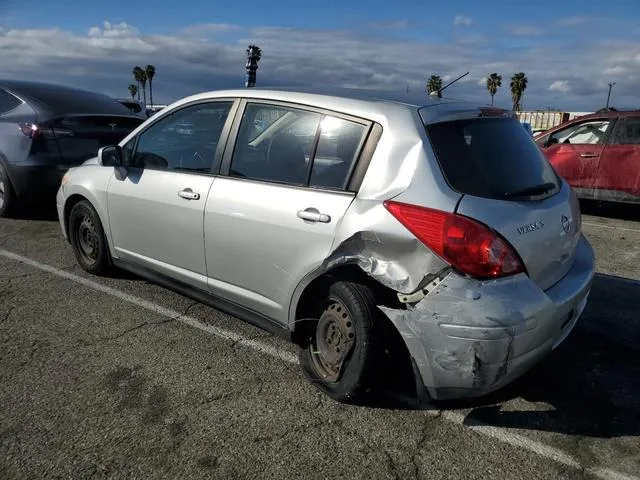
(341, 223)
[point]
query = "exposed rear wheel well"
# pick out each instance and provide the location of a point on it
(394, 368)
(311, 299)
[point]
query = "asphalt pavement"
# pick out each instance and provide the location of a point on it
(120, 378)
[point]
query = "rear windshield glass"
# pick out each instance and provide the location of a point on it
(76, 101)
(490, 157)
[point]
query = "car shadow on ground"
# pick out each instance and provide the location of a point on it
(589, 386)
(621, 211)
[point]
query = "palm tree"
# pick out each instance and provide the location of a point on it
(150, 70)
(434, 84)
(494, 81)
(133, 89)
(143, 84)
(518, 86)
(137, 75)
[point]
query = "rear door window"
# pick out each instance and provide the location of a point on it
(338, 147)
(274, 144)
(491, 158)
(295, 146)
(627, 132)
(8, 101)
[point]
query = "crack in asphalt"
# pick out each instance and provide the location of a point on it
(7, 236)
(423, 438)
(8, 314)
(125, 332)
(393, 467)
(249, 368)
(141, 325)
(22, 275)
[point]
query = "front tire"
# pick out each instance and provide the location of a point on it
(7, 194)
(340, 348)
(88, 240)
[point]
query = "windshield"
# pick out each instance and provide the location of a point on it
(491, 158)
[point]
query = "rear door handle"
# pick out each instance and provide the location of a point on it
(588, 155)
(313, 215)
(189, 194)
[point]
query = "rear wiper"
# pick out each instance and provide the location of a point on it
(535, 190)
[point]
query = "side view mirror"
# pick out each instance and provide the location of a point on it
(110, 156)
(549, 141)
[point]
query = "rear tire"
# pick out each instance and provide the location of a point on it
(88, 239)
(339, 355)
(7, 194)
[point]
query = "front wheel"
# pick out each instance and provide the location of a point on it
(88, 240)
(339, 352)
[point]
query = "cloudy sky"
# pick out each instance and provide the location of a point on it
(569, 49)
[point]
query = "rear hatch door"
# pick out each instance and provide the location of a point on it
(508, 184)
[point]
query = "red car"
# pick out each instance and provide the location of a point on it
(598, 154)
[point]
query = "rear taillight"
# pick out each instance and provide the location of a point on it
(469, 246)
(34, 131)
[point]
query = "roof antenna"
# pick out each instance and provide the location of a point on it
(438, 93)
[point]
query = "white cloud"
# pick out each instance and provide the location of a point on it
(209, 28)
(617, 70)
(462, 21)
(114, 30)
(560, 86)
(524, 30)
(195, 62)
(572, 21)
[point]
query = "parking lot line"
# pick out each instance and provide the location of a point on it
(490, 431)
(160, 310)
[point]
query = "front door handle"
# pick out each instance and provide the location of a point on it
(588, 155)
(189, 194)
(313, 215)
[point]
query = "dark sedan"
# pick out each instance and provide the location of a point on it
(46, 129)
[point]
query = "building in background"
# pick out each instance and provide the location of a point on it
(541, 120)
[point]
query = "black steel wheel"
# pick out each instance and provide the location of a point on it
(87, 239)
(338, 355)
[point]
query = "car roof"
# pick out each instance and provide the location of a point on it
(358, 102)
(50, 98)
(27, 86)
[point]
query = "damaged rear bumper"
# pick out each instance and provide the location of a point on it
(469, 338)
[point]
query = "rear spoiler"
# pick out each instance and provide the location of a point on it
(461, 113)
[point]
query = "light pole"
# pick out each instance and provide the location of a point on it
(611, 84)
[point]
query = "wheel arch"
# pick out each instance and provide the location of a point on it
(77, 195)
(4, 162)
(313, 288)
(398, 373)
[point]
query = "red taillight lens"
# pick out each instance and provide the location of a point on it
(30, 130)
(34, 131)
(469, 246)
